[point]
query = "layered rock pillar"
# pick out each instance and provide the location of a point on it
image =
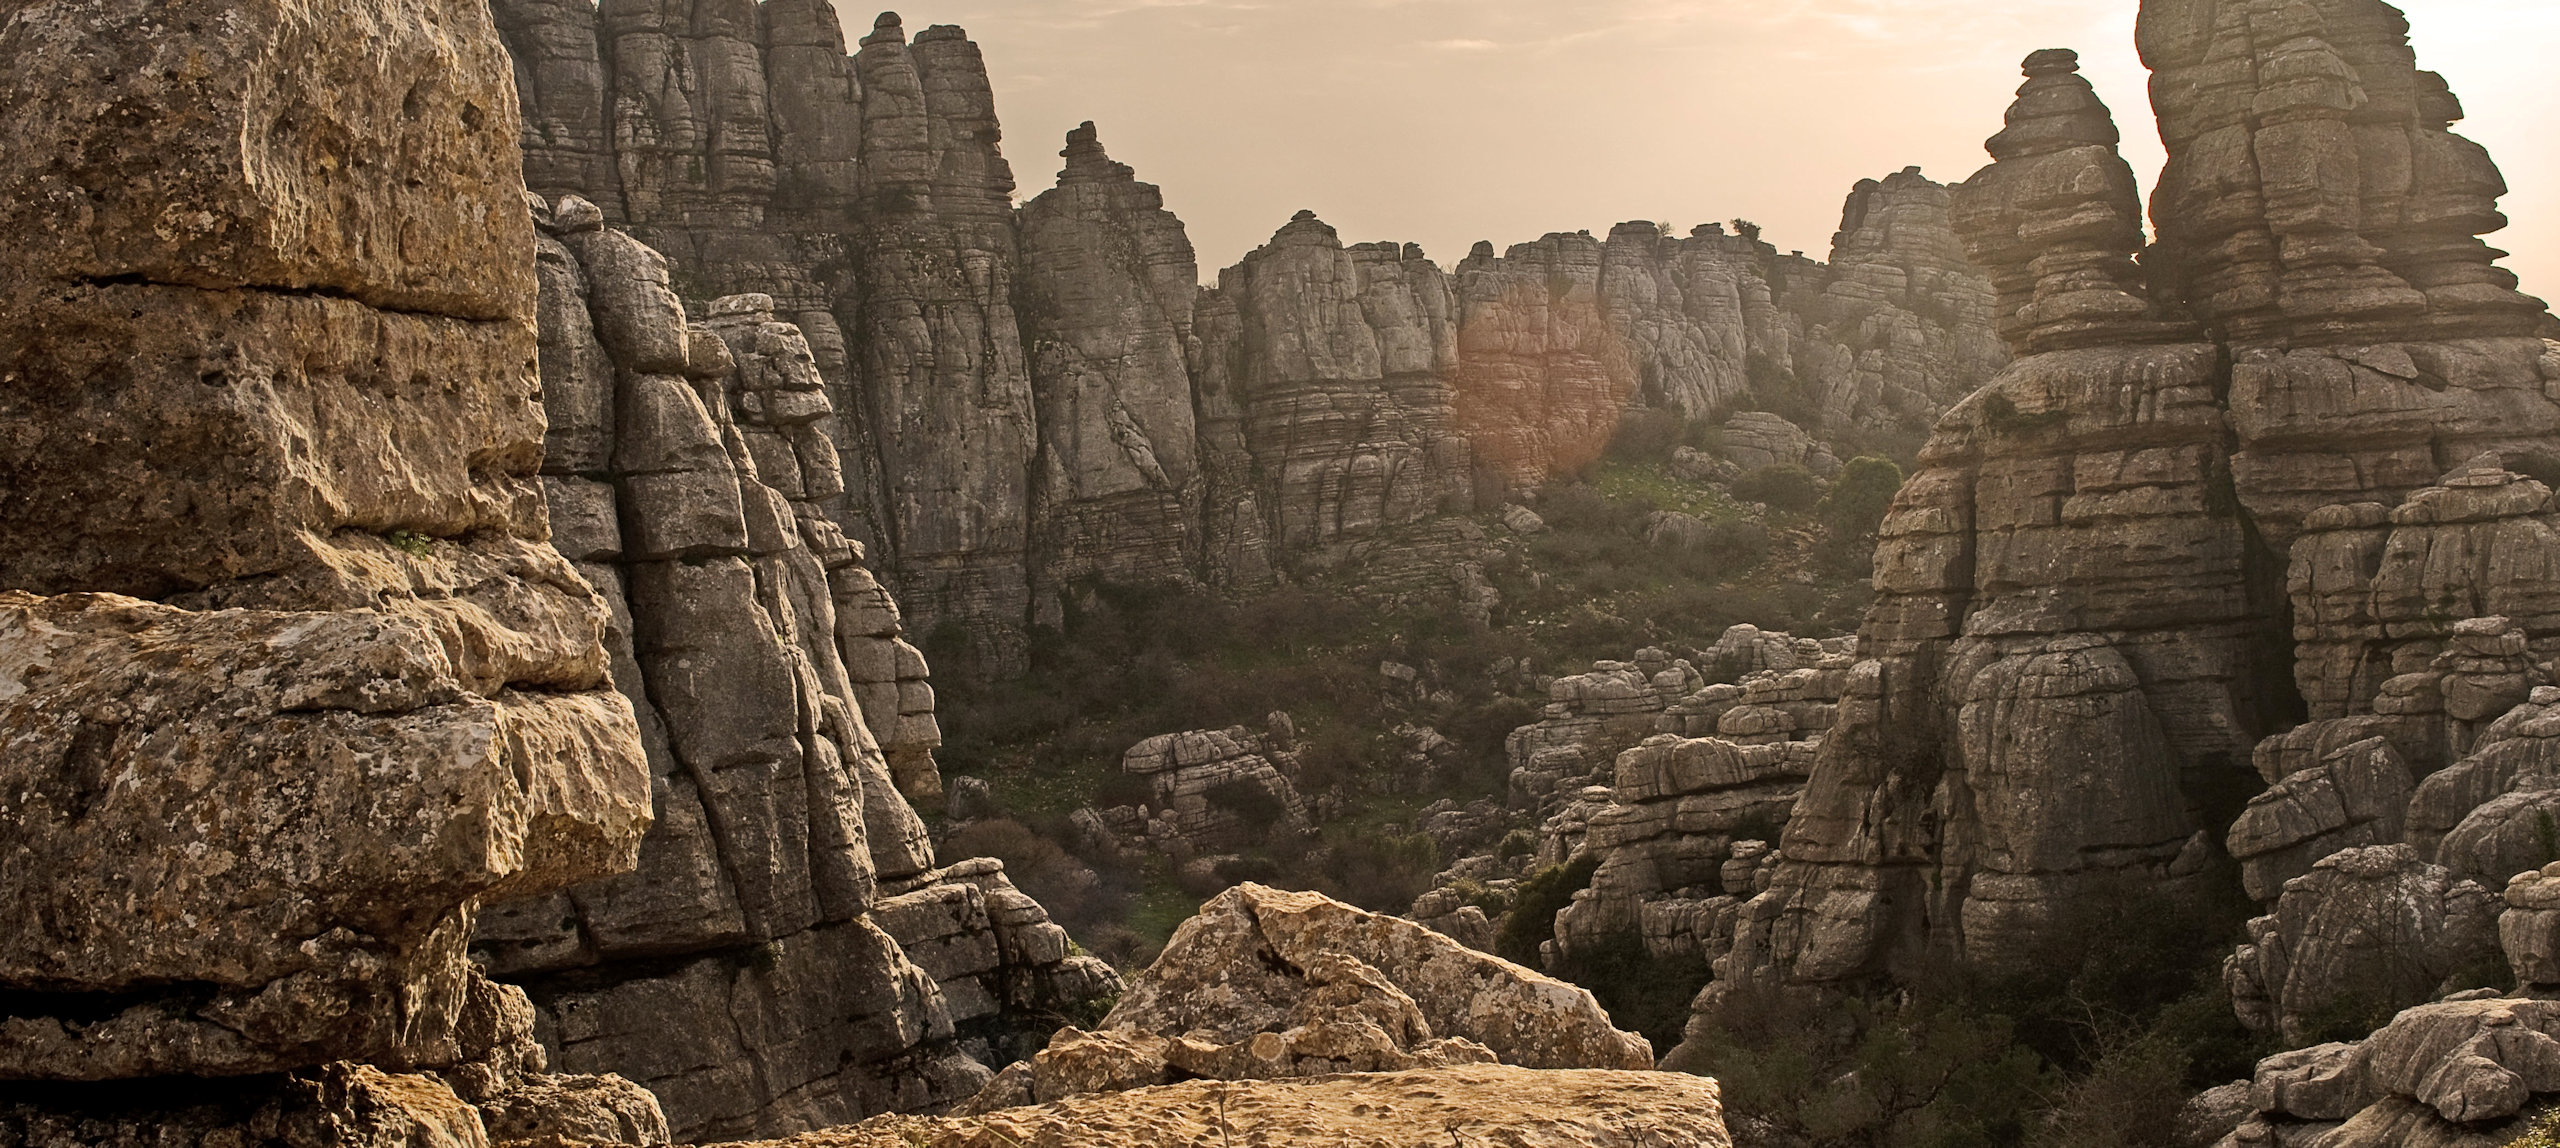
(2268, 473)
(291, 676)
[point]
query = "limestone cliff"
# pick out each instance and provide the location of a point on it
(2268, 471)
(1031, 401)
(291, 677)
(755, 970)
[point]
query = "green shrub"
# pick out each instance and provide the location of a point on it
(1534, 907)
(1517, 843)
(1824, 1071)
(2545, 1133)
(1648, 436)
(1382, 873)
(2132, 1097)
(1786, 487)
(1120, 788)
(1645, 996)
(1073, 893)
(1860, 497)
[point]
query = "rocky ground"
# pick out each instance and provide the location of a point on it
(1479, 1104)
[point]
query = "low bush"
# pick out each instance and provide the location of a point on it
(1786, 488)
(1644, 996)
(1382, 873)
(1074, 893)
(1534, 907)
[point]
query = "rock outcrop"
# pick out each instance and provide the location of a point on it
(755, 970)
(1030, 401)
(1268, 985)
(1477, 1103)
(291, 677)
(2366, 933)
(2456, 1073)
(1211, 789)
(2084, 623)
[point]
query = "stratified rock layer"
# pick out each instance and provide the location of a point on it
(2281, 451)
(301, 680)
(755, 969)
(1032, 401)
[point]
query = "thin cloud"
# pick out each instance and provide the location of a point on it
(1463, 46)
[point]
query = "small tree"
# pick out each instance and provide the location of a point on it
(1859, 499)
(1747, 229)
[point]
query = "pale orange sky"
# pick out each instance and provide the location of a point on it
(1443, 122)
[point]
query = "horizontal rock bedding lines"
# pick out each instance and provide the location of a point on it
(1033, 399)
(291, 677)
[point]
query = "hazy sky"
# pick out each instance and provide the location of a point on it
(1443, 122)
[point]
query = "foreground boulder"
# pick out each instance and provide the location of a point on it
(1477, 1104)
(291, 678)
(1265, 984)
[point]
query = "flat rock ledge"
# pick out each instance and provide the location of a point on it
(1467, 1105)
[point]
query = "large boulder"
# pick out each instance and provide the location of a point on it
(2366, 933)
(292, 679)
(1266, 984)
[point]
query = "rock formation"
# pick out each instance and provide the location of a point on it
(1266, 985)
(2258, 495)
(1474, 1104)
(1030, 401)
(291, 677)
(787, 956)
(1211, 789)
(2083, 592)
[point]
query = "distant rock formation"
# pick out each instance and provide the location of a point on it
(787, 955)
(291, 678)
(2261, 496)
(2086, 579)
(1032, 401)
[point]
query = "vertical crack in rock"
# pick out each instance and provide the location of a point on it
(787, 955)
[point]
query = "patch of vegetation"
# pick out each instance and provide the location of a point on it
(411, 543)
(1786, 488)
(1535, 905)
(2096, 1039)
(1644, 996)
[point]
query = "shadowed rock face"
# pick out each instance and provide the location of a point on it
(1028, 402)
(2085, 622)
(291, 678)
(756, 969)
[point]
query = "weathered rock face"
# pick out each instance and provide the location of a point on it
(2084, 615)
(2455, 1074)
(755, 969)
(311, 682)
(2367, 931)
(151, 744)
(1033, 400)
(1490, 1103)
(1337, 361)
(1109, 282)
(1265, 984)
(2316, 194)
(1213, 788)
